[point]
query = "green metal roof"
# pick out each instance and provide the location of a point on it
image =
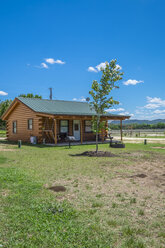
(60, 107)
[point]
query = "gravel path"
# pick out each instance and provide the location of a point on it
(141, 140)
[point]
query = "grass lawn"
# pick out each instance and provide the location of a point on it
(108, 202)
(2, 133)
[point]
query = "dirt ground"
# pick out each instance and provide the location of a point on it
(143, 179)
(4, 148)
(141, 140)
(136, 190)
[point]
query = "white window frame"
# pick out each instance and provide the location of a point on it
(14, 126)
(63, 127)
(88, 127)
(30, 125)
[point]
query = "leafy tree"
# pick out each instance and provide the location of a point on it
(30, 95)
(101, 100)
(3, 107)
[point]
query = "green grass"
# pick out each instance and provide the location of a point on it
(2, 133)
(103, 206)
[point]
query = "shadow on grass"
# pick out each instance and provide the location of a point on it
(2, 160)
(94, 154)
(65, 146)
(6, 142)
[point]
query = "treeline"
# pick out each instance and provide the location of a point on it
(4, 105)
(159, 125)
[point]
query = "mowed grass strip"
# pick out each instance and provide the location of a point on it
(106, 203)
(32, 218)
(2, 133)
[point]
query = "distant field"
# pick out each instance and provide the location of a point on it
(2, 133)
(158, 137)
(141, 133)
(109, 202)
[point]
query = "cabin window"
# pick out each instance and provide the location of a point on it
(14, 127)
(64, 126)
(30, 124)
(88, 126)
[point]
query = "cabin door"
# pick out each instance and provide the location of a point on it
(76, 129)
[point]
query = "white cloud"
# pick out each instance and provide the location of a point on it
(150, 110)
(121, 110)
(115, 110)
(92, 69)
(124, 113)
(159, 111)
(52, 61)
(43, 65)
(48, 61)
(101, 66)
(58, 61)
(81, 99)
(132, 82)
(118, 67)
(151, 106)
(2, 93)
(154, 102)
(127, 113)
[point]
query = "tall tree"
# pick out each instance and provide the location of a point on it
(30, 95)
(100, 92)
(3, 107)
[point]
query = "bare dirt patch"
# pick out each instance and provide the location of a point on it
(137, 154)
(139, 175)
(5, 192)
(142, 179)
(94, 154)
(57, 188)
(6, 150)
(124, 188)
(158, 147)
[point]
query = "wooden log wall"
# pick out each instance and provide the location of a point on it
(21, 114)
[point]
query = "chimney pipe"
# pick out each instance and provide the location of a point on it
(50, 96)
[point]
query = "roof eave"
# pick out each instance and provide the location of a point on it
(89, 115)
(9, 109)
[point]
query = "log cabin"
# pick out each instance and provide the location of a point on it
(51, 121)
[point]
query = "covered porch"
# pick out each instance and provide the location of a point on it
(54, 129)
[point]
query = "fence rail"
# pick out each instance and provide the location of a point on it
(139, 132)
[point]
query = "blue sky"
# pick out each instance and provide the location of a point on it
(75, 35)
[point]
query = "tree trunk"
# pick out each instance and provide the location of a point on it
(96, 141)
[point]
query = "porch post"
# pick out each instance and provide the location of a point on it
(106, 131)
(55, 131)
(121, 131)
(81, 131)
(102, 135)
